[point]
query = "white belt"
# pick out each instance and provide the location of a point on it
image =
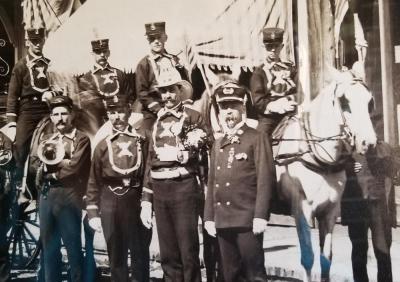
(169, 173)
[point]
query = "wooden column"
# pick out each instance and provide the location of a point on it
(387, 59)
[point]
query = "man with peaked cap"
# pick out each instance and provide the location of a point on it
(65, 158)
(29, 89)
(272, 84)
(173, 189)
(239, 188)
(114, 191)
(102, 82)
(148, 71)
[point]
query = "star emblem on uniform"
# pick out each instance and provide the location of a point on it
(167, 132)
(108, 78)
(124, 146)
(40, 72)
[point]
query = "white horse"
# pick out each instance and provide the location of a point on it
(311, 156)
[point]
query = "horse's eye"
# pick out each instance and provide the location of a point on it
(344, 104)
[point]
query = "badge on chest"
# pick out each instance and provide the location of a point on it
(124, 152)
(106, 81)
(38, 75)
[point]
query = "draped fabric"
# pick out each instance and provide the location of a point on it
(48, 13)
(234, 37)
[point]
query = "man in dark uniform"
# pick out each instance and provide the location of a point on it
(101, 83)
(174, 189)
(368, 203)
(65, 155)
(273, 84)
(29, 89)
(239, 189)
(114, 191)
(148, 71)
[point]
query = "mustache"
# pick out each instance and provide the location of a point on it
(60, 123)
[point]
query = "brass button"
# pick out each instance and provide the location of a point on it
(228, 203)
(221, 150)
(219, 203)
(217, 185)
(218, 167)
(227, 184)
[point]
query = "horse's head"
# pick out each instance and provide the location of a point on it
(356, 102)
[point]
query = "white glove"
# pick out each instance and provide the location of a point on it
(280, 106)
(47, 95)
(10, 130)
(95, 224)
(209, 226)
(259, 225)
(146, 215)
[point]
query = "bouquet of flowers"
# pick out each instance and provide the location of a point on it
(194, 138)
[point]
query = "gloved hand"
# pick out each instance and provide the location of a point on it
(49, 176)
(259, 225)
(95, 224)
(10, 130)
(146, 214)
(209, 226)
(357, 167)
(47, 95)
(281, 106)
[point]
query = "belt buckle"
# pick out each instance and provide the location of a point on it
(116, 190)
(34, 98)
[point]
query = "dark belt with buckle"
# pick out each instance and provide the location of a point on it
(121, 186)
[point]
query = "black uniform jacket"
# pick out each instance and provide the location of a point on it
(127, 149)
(163, 134)
(262, 86)
(146, 81)
(104, 83)
(240, 179)
(29, 79)
(74, 172)
(369, 184)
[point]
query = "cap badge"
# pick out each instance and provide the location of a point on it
(152, 27)
(228, 91)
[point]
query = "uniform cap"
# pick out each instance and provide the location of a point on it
(155, 28)
(229, 90)
(100, 45)
(273, 35)
(36, 33)
(116, 102)
(60, 101)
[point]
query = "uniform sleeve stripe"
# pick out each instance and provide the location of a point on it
(11, 115)
(147, 190)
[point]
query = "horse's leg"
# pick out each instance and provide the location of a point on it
(326, 224)
(306, 249)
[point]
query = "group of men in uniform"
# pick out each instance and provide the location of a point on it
(153, 166)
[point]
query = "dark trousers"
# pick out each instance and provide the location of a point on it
(28, 118)
(176, 211)
(89, 264)
(242, 255)
(123, 231)
(4, 213)
(148, 121)
(60, 219)
(211, 256)
(376, 219)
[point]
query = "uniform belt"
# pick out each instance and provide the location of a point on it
(37, 98)
(170, 173)
(120, 187)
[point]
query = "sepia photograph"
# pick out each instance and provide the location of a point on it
(199, 140)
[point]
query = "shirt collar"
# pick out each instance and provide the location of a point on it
(175, 111)
(32, 58)
(71, 135)
(156, 56)
(97, 67)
